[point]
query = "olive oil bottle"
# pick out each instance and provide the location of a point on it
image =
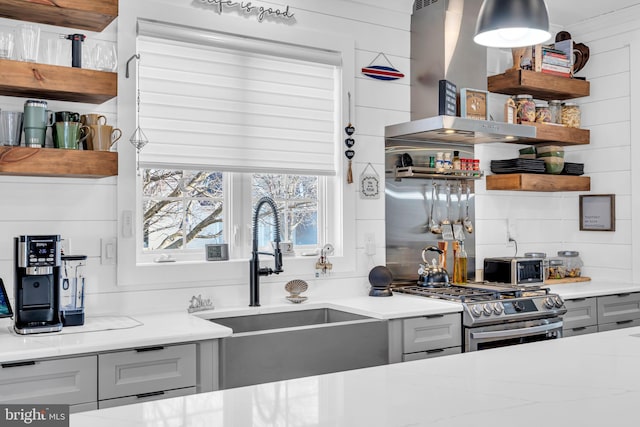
(460, 264)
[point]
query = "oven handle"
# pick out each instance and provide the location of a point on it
(510, 333)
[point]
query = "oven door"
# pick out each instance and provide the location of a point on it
(493, 336)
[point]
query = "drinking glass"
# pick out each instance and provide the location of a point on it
(6, 43)
(29, 41)
(103, 56)
(10, 127)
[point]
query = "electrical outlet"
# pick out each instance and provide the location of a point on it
(65, 246)
(108, 251)
(369, 244)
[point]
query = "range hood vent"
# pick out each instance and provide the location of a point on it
(457, 130)
(442, 47)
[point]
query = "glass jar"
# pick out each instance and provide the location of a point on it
(555, 269)
(572, 263)
(571, 114)
(555, 109)
(543, 115)
(525, 109)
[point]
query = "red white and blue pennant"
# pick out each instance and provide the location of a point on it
(376, 70)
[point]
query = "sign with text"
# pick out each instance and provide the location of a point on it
(34, 415)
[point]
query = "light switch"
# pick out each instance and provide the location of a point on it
(108, 251)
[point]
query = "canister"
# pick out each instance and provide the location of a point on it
(526, 109)
(571, 114)
(572, 263)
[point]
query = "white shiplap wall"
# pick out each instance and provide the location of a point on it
(85, 211)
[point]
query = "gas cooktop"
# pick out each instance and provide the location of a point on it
(492, 303)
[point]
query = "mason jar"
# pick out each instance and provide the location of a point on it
(572, 263)
(571, 114)
(525, 109)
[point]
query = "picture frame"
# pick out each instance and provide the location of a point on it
(474, 104)
(598, 212)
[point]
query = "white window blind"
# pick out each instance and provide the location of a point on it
(211, 101)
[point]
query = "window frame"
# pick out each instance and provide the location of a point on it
(131, 273)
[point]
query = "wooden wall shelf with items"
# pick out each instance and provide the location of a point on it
(538, 182)
(539, 85)
(92, 15)
(557, 135)
(54, 162)
(28, 79)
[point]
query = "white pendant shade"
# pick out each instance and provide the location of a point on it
(512, 23)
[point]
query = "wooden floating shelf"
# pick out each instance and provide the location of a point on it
(29, 80)
(53, 162)
(539, 85)
(538, 182)
(92, 15)
(557, 135)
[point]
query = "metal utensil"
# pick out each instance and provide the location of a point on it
(459, 218)
(446, 219)
(468, 225)
(434, 224)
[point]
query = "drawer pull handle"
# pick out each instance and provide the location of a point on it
(622, 322)
(578, 299)
(156, 348)
(624, 295)
(438, 350)
(582, 328)
(16, 364)
(150, 394)
(434, 316)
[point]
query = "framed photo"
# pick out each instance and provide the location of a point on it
(598, 212)
(474, 104)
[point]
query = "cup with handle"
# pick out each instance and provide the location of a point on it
(104, 136)
(70, 134)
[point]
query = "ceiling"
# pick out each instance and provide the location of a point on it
(567, 12)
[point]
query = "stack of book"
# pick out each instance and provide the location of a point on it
(554, 59)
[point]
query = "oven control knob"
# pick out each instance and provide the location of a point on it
(558, 301)
(497, 308)
(549, 303)
(476, 310)
(487, 309)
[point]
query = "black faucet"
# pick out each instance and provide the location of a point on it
(254, 263)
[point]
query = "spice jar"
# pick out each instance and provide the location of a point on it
(555, 109)
(526, 108)
(571, 114)
(572, 263)
(543, 115)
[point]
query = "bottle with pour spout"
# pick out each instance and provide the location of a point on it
(460, 264)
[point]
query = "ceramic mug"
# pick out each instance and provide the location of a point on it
(92, 119)
(69, 135)
(104, 136)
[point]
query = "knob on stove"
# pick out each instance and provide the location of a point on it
(487, 309)
(558, 301)
(549, 303)
(476, 310)
(497, 308)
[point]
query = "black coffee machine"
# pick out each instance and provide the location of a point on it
(37, 286)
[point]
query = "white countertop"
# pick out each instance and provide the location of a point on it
(138, 331)
(589, 380)
(175, 327)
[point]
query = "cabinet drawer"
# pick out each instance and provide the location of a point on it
(429, 354)
(580, 313)
(618, 325)
(581, 330)
(67, 381)
(431, 332)
(617, 308)
(110, 403)
(146, 370)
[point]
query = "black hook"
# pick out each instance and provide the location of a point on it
(136, 56)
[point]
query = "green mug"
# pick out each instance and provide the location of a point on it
(68, 134)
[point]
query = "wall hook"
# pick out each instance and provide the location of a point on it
(136, 56)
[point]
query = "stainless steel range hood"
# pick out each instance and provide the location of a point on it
(456, 130)
(442, 47)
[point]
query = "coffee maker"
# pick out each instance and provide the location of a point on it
(37, 284)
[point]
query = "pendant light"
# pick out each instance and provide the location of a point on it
(512, 23)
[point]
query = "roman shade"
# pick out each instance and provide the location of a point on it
(213, 101)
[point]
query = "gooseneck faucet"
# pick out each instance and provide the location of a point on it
(255, 271)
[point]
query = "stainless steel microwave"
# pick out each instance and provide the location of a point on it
(514, 270)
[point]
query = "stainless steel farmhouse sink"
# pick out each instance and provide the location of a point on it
(277, 346)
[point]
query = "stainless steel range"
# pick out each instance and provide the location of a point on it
(500, 315)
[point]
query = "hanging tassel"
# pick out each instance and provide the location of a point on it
(349, 174)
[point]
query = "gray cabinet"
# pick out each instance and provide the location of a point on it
(581, 317)
(618, 311)
(424, 337)
(146, 372)
(603, 313)
(70, 380)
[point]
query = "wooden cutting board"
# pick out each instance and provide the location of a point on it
(567, 280)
